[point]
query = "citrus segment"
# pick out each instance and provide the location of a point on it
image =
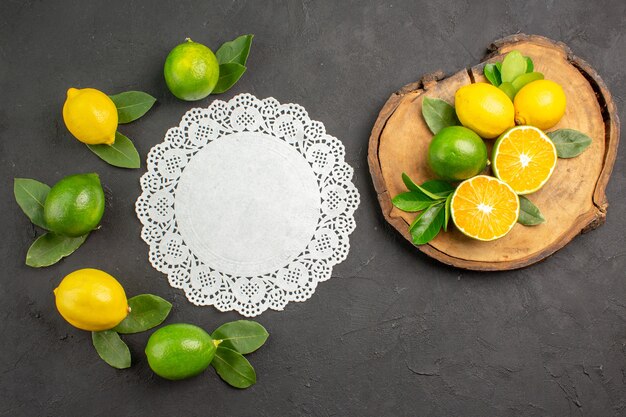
(484, 208)
(524, 158)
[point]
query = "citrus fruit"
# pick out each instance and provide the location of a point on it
(191, 71)
(484, 108)
(457, 153)
(92, 300)
(74, 206)
(540, 103)
(484, 208)
(179, 351)
(524, 157)
(91, 116)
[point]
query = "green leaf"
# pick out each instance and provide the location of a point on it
(569, 142)
(434, 186)
(529, 214)
(235, 51)
(447, 212)
(408, 182)
(50, 248)
(492, 74)
(229, 75)
(530, 67)
(111, 348)
(431, 191)
(432, 195)
(508, 89)
(31, 196)
(438, 187)
(121, 154)
(438, 114)
(499, 68)
(243, 336)
(131, 105)
(412, 201)
(146, 311)
(428, 224)
(524, 79)
(513, 65)
(233, 368)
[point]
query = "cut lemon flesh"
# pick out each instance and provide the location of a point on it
(484, 208)
(524, 158)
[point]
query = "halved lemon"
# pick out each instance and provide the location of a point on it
(484, 208)
(524, 157)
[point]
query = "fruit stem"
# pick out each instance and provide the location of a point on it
(188, 40)
(217, 342)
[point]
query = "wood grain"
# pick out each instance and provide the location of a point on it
(573, 200)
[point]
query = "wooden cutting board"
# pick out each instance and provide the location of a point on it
(573, 201)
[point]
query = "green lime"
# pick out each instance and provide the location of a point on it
(191, 71)
(457, 153)
(179, 351)
(74, 205)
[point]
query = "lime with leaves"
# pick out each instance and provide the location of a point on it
(75, 205)
(457, 153)
(191, 71)
(180, 351)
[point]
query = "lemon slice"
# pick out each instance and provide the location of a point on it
(524, 158)
(484, 208)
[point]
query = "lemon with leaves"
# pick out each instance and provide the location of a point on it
(485, 109)
(91, 116)
(91, 300)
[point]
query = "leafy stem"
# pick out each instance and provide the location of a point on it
(432, 200)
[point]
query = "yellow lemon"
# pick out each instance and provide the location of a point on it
(91, 116)
(92, 300)
(485, 109)
(540, 104)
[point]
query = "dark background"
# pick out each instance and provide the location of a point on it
(394, 333)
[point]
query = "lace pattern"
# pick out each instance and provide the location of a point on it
(251, 293)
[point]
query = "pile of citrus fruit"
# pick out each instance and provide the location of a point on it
(514, 109)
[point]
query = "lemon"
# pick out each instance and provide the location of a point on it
(92, 300)
(485, 109)
(540, 104)
(91, 116)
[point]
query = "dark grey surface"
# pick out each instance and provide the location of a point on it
(393, 333)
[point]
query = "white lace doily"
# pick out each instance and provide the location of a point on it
(247, 205)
